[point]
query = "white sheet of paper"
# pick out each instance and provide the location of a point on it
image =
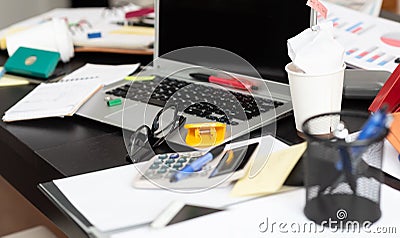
(370, 42)
(109, 201)
(52, 100)
(105, 74)
(266, 214)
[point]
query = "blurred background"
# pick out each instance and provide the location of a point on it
(17, 10)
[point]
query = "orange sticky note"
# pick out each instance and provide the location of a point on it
(318, 6)
(394, 133)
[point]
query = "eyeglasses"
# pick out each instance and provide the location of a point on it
(145, 139)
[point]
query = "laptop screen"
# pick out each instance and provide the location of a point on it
(256, 30)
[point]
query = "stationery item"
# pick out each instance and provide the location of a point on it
(32, 62)
(198, 164)
(275, 216)
(355, 187)
(140, 78)
(103, 74)
(135, 30)
(370, 7)
(114, 102)
(273, 174)
(370, 42)
(11, 80)
(197, 171)
(231, 82)
(389, 94)
(2, 72)
(52, 100)
(116, 185)
(139, 13)
(205, 134)
(52, 35)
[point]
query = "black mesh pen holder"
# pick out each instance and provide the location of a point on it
(341, 186)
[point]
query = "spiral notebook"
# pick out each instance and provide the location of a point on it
(53, 100)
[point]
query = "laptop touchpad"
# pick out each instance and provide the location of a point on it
(133, 116)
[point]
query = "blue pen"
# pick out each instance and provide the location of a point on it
(198, 164)
(374, 125)
(371, 128)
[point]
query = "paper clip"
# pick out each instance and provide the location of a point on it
(205, 134)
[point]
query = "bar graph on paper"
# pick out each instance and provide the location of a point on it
(369, 42)
(373, 56)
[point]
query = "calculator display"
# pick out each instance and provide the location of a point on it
(234, 160)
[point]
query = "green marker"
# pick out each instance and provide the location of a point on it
(114, 102)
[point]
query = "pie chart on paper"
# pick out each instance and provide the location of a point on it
(392, 39)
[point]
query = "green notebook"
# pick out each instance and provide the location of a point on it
(32, 62)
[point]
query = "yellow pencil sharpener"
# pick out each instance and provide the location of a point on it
(205, 134)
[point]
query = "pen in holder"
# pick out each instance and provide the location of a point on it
(341, 186)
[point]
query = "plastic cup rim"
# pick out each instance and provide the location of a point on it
(312, 75)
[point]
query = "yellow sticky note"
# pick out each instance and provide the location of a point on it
(271, 177)
(134, 30)
(11, 80)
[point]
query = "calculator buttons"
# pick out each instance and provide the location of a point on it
(166, 165)
(182, 160)
(174, 156)
(154, 166)
(163, 156)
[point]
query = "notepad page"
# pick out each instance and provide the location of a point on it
(52, 100)
(104, 74)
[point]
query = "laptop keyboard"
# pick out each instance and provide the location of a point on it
(196, 99)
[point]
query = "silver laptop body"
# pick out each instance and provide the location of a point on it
(132, 114)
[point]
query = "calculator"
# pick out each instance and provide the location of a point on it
(229, 166)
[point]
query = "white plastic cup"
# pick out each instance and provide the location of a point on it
(314, 94)
(52, 35)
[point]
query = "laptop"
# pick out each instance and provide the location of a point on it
(241, 39)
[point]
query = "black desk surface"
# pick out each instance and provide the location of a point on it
(42, 150)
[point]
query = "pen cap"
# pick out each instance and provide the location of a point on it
(343, 174)
(52, 35)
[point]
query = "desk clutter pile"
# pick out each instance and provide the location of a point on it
(235, 178)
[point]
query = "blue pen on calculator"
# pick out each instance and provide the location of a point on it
(198, 164)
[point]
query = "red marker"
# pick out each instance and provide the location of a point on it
(231, 82)
(139, 13)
